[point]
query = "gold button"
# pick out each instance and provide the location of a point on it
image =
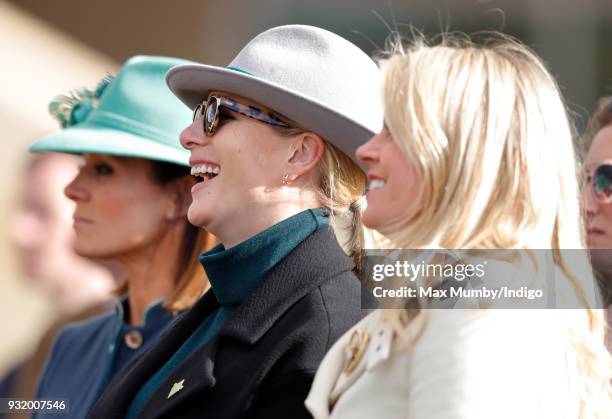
(133, 339)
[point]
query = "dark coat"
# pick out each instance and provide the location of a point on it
(262, 361)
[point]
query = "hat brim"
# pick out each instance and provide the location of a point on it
(192, 83)
(88, 138)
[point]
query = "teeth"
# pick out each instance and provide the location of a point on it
(205, 169)
(376, 184)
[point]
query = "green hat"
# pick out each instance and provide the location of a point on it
(132, 115)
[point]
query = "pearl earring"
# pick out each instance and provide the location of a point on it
(285, 179)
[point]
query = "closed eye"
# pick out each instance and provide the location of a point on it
(103, 169)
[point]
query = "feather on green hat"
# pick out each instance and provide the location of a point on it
(131, 115)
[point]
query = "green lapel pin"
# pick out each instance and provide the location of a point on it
(176, 387)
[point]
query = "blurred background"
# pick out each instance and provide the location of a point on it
(50, 47)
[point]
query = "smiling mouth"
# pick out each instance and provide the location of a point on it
(80, 222)
(375, 184)
(205, 172)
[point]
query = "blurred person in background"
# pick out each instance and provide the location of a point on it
(132, 192)
(597, 199)
(270, 143)
(42, 234)
(476, 153)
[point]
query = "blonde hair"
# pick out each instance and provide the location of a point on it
(342, 184)
(489, 136)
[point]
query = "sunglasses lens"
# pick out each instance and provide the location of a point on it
(197, 112)
(211, 115)
(602, 182)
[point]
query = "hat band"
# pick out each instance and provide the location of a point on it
(105, 119)
(239, 70)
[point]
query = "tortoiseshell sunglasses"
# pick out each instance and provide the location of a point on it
(210, 110)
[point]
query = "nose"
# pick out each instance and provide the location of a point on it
(370, 151)
(76, 190)
(193, 136)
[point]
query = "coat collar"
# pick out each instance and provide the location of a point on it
(314, 261)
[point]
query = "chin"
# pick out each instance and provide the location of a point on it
(601, 259)
(371, 219)
(197, 217)
(91, 250)
(86, 252)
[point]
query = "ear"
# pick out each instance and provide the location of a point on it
(180, 189)
(307, 150)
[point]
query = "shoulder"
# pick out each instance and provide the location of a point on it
(341, 298)
(482, 356)
(82, 337)
(312, 324)
(478, 358)
(480, 336)
(335, 305)
(90, 327)
(77, 348)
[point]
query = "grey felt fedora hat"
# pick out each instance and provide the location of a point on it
(311, 76)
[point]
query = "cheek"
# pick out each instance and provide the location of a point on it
(395, 202)
(403, 181)
(125, 220)
(606, 215)
(253, 162)
(606, 212)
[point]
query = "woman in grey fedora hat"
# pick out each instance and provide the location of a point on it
(270, 143)
(131, 193)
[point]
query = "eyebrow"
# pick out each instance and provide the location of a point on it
(109, 159)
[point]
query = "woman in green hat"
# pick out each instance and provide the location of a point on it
(131, 193)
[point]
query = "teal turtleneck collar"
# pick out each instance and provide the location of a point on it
(236, 272)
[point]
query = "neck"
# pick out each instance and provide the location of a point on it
(253, 221)
(151, 272)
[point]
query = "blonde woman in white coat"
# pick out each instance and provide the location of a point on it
(476, 153)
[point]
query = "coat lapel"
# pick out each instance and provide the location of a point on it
(189, 379)
(312, 263)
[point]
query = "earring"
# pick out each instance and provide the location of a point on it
(285, 179)
(171, 216)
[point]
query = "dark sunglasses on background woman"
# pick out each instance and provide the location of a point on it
(600, 181)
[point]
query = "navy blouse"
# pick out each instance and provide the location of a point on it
(87, 355)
